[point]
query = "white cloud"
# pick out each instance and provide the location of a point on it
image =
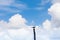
(55, 1)
(55, 13)
(27, 34)
(15, 21)
(20, 34)
(47, 25)
(55, 10)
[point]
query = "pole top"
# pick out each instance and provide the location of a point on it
(33, 27)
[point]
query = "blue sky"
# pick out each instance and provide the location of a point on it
(32, 10)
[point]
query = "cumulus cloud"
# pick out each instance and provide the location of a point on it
(53, 25)
(16, 34)
(47, 25)
(15, 21)
(54, 11)
(15, 29)
(21, 34)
